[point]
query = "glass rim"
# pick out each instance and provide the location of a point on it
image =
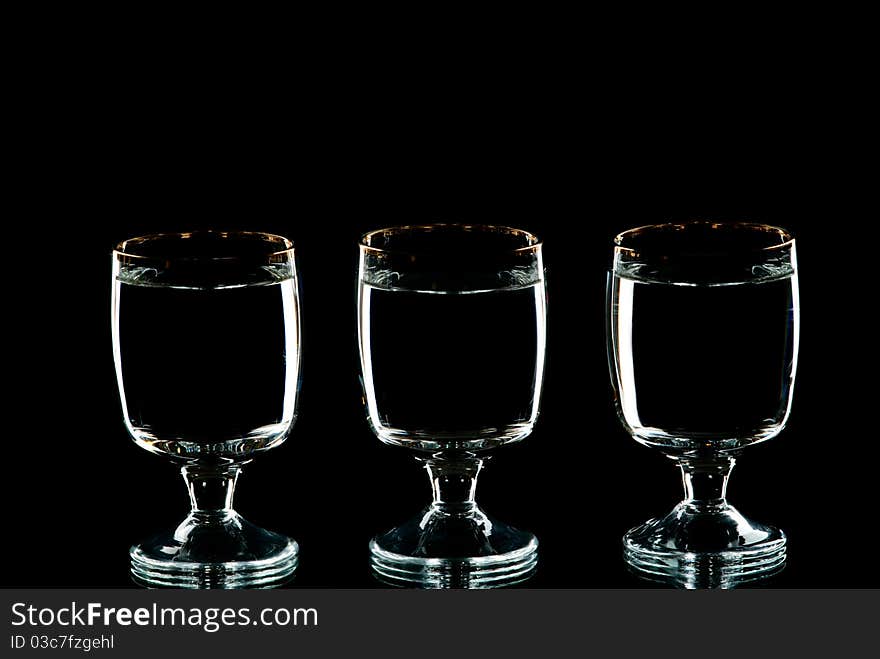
(533, 242)
(271, 255)
(785, 236)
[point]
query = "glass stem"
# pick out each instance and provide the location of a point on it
(454, 482)
(705, 482)
(210, 491)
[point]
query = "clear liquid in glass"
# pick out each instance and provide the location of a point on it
(206, 371)
(456, 370)
(703, 366)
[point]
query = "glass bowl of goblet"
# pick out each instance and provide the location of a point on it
(452, 322)
(207, 351)
(703, 323)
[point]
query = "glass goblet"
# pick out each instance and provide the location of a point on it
(207, 350)
(452, 338)
(703, 343)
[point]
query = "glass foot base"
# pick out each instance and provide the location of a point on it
(704, 548)
(454, 549)
(206, 551)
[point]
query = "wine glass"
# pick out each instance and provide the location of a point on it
(703, 343)
(206, 346)
(452, 337)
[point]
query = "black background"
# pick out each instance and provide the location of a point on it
(573, 158)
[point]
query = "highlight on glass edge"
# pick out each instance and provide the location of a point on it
(703, 325)
(452, 333)
(206, 344)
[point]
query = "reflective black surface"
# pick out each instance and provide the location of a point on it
(79, 492)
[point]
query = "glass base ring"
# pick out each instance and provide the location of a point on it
(196, 556)
(438, 551)
(727, 568)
